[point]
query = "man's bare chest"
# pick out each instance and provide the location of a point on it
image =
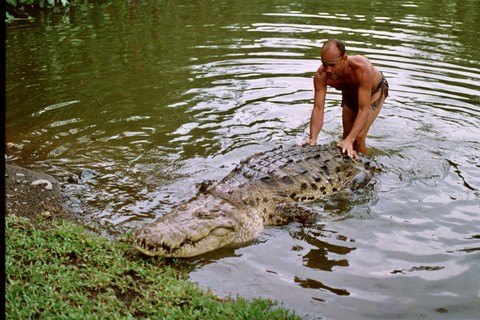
(344, 86)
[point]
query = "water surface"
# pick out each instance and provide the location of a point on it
(156, 96)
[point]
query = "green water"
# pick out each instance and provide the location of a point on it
(157, 96)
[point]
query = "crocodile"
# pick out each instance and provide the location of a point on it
(266, 189)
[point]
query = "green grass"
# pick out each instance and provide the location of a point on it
(58, 270)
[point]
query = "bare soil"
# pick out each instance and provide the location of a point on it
(28, 194)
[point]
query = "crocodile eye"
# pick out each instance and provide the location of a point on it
(210, 214)
(199, 214)
(182, 207)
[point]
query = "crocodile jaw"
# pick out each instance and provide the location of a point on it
(203, 224)
(151, 243)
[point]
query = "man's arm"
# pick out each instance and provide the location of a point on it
(316, 119)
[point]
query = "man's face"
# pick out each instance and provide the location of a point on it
(332, 62)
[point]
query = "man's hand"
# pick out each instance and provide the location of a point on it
(309, 142)
(347, 147)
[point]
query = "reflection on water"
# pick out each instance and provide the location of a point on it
(313, 284)
(154, 97)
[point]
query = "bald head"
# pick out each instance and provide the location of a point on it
(333, 46)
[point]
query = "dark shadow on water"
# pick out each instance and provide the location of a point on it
(314, 284)
(318, 258)
(212, 257)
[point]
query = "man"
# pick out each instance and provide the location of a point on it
(364, 89)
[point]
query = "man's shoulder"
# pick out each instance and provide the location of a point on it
(320, 75)
(359, 62)
(362, 68)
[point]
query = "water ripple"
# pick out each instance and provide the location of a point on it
(205, 86)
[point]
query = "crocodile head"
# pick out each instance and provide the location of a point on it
(203, 224)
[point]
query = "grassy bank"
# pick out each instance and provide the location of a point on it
(56, 269)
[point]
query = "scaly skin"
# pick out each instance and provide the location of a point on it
(265, 189)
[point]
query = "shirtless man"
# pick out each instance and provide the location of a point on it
(364, 89)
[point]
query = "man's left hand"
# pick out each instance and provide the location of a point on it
(347, 147)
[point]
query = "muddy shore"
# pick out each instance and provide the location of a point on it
(34, 195)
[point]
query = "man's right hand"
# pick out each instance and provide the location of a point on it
(309, 142)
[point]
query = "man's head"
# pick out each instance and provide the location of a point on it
(333, 54)
(334, 44)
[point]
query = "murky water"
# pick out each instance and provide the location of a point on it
(157, 96)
